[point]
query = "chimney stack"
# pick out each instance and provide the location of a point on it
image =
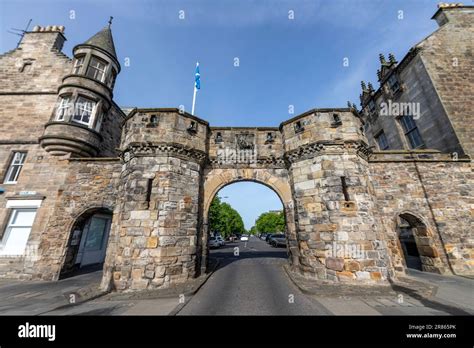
(50, 37)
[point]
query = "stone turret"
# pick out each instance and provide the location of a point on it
(337, 233)
(84, 99)
(164, 152)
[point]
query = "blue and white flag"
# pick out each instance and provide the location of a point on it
(197, 79)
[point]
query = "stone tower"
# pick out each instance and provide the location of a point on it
(84, 99)
(154, 237)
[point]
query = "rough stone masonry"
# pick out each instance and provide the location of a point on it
(131, 188)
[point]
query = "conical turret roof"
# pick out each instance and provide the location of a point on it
(103, 40)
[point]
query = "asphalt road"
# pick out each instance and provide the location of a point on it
(253, 283)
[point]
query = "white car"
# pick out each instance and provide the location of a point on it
(213, 243)
(220, 240)
(244, 238)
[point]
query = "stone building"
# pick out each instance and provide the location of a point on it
(87, 183)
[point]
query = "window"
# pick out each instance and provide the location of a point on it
(78, 64)
(336, 120)
(17, 232)
(393, 83)
(411, 131)
(154, 120)
(270, 138)
(298, 127)
(96, 69)
(382, 141)
(83, 111)
(63, 108)
(371, 106)
(15, 167)
(192, 128)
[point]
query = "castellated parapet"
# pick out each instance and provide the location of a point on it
(148, 176)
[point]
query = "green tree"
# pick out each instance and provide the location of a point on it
(224, 219)
(253, 230)
(270, 222)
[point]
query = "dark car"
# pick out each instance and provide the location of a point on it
(267, 238)
(278, 240)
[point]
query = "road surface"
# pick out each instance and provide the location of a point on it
(252, 283)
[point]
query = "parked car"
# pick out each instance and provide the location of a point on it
(267, 237)
(220, 240)
(278, 240)
(244, 238)
(213, 243)
(263, 236)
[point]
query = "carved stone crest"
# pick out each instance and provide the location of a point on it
(245, 141)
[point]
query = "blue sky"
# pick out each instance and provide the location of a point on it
(282, 62)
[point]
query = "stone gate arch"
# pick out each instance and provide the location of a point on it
(276, 179)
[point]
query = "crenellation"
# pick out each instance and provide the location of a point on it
(145, 178)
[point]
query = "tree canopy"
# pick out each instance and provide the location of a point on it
(270, 222)
(223, 219)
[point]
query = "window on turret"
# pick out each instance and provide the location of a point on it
(78, 64)
(96, 69)
(63, 108)
(83, 111)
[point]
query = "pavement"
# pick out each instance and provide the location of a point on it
(255, 281)
(40, 297)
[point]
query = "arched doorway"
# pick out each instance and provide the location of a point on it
(416, 244)
(87, 242)
(408, 245)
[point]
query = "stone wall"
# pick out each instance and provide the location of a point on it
(339, 237)
(111, 131)
(40, 178)
(89, 185)
(155, 234)
(36, 65)
(433, 123)
(436, 190)
(448, 57)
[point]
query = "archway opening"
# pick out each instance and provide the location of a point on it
(246, 219)
(87, 243)
(417, 244)
(408, 244)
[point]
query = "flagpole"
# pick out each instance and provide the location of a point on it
(194, 100)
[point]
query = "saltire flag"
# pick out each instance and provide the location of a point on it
(197, 78)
